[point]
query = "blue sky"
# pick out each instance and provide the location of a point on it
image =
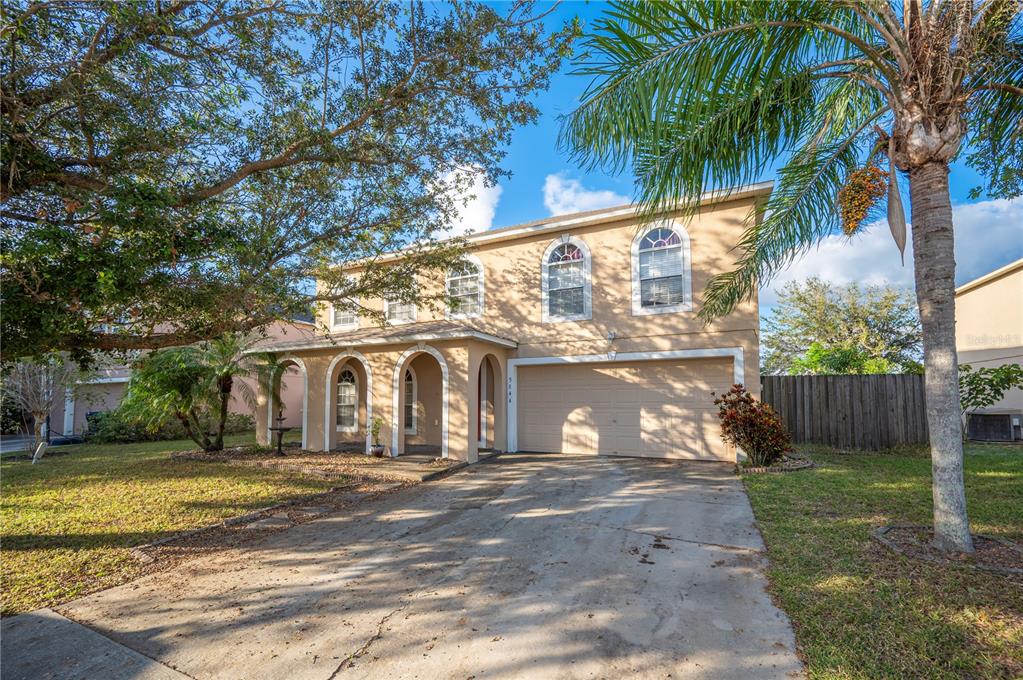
(546, 181)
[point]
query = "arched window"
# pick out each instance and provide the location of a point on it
(410, 393)
(464, 285)
(347, 401)
(566, 281)
(660, 271)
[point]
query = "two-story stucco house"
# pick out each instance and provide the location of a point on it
(577, 333)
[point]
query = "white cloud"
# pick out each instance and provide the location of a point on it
(562, 195)
(475, 202)
(988, 235)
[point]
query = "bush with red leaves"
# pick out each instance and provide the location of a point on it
(752, 426)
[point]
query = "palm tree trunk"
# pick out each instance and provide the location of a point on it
(225, 385)
(934, 262)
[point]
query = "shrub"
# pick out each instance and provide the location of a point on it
(752, 426)
(115, 427)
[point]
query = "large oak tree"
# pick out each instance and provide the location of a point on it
(175, 170)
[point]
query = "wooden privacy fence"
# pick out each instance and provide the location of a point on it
(849, 411)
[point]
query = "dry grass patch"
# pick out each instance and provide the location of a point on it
(68, 523)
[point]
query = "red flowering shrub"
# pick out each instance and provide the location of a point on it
(752, 426)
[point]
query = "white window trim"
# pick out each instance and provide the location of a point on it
(329, 408)
(413, 427)
(687, 275)
(343, 326)
(355, 426)
(587, 313)
(479, 294)
(511, 414)
(387, 307)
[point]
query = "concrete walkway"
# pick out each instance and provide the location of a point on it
(525, 566)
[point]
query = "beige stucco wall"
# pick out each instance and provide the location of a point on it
(513, 301)
(989, 325)
(513, 310)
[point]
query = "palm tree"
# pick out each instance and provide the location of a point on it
(695, 95)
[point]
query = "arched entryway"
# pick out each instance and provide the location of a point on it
(348, 410)
(290, 374)
(420, 402)
(488, 403)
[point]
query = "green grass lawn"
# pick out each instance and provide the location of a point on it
(69, 522)
(862, 612)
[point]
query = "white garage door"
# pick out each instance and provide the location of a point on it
(655, 409)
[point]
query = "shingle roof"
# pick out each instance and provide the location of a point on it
(414, 332)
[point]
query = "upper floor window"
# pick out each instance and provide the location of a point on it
(347, 401)
(464, 286)
(399, 312)
(566, 281)
(345, 316)
(660, 271)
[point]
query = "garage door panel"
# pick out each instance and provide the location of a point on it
(650, 409)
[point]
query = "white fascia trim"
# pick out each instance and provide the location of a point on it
(104, 381)
(480, 289)
(328, 411)
(399, 374)
(687, 272)
(506, 233)
(411, 337)
(545, 315)
(305, 402)
(738, 370)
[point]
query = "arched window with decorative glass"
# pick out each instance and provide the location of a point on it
(661, 278)
(347, 401)
(566, 281)
(411, 389)
(464, 285)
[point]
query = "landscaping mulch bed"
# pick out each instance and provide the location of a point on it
(990, 553)
(786, 464)
(325, 465)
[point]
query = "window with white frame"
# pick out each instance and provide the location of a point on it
(464, 285)
(347, 401)
(660, 271)
(345, 315)
(410, 390)
(399, 312)
(566, 281)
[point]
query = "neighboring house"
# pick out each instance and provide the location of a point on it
(577, 333)
(989, 332)
(105, 388)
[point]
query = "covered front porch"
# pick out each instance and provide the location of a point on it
(435, 391)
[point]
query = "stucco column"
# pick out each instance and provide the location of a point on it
(261, 415)
(461, 397)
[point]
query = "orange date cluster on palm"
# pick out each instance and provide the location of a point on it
(863, 188)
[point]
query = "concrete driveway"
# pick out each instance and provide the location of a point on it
(540, 566)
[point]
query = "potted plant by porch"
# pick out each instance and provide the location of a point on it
(377, 449)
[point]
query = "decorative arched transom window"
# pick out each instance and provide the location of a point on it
(464, 285)
(660, 271)
(410, 397)
(347, 401)
(566, 281)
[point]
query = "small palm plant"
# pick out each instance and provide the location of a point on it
(195, 384)
(704, 94)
